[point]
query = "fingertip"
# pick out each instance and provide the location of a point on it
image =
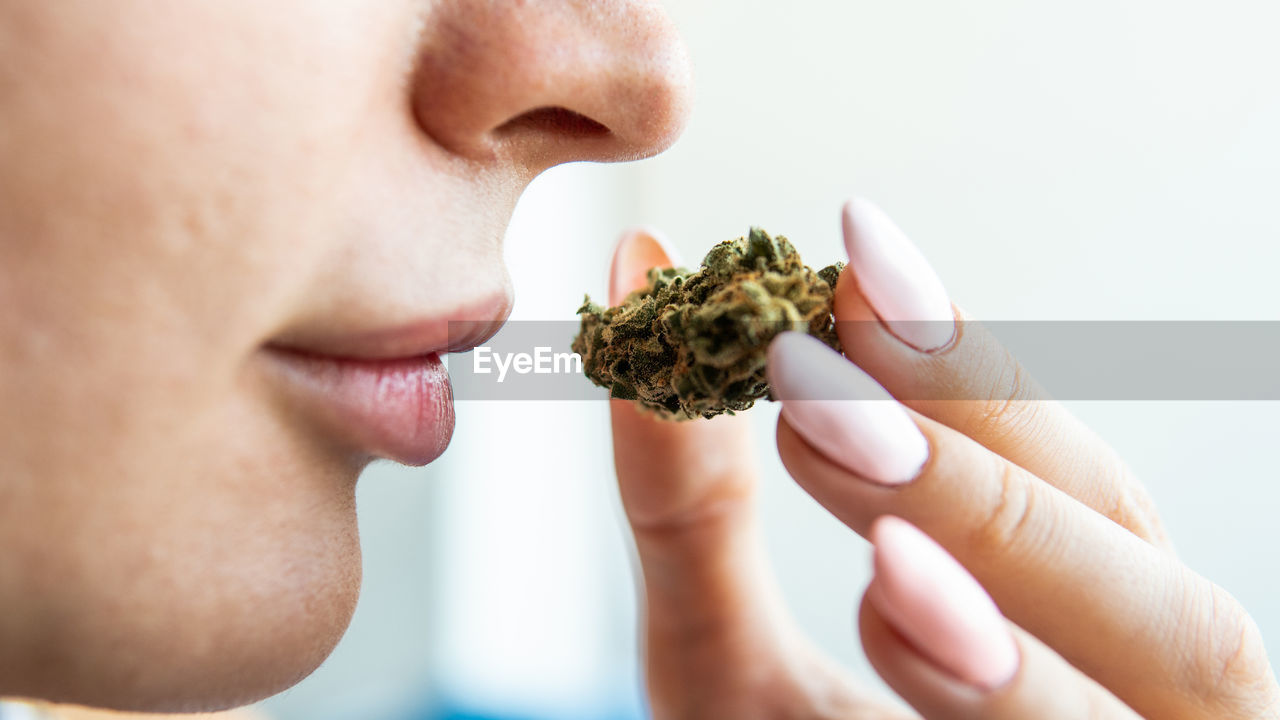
(844, 413)
(637, 250)
(896, 278)
(884, 530)
(786, 349)
(938, 606)
(799, 366)
(856, 206)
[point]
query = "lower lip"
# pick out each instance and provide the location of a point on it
(399, 409)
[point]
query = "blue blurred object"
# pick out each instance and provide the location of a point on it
(439, 712)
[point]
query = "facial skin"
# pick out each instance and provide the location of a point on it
(182, 184)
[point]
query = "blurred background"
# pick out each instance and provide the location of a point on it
(1098, 159)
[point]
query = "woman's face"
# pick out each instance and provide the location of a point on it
(201, 206)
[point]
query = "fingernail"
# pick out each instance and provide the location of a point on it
(896, 279)
(844, 413)
(638, 250)
(933, 602)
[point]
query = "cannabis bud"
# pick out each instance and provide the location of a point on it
(693, 344)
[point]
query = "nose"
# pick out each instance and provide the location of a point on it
(542, 82)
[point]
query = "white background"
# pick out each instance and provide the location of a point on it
(1098, 159)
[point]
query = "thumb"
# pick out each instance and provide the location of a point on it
(688, 487)
(637, 251)
(675, 472)
(716, 627)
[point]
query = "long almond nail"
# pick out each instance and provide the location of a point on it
(843, 412)
(896, 278)
(933, 602)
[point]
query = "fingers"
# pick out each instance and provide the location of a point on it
(719, 641)
(895, 322)
(937, 638)
(1124, 612)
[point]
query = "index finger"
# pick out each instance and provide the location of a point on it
(894, 320)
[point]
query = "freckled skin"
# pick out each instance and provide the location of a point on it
(184, 183)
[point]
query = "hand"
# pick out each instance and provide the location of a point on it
(1108, 622)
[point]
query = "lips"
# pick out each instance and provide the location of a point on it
(383, 392)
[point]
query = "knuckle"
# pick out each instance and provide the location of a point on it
(1231, 667)
(1008, 406)
(1005, 520)
(1129, 505)
(694, 519)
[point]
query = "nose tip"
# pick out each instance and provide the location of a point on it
(543, 82)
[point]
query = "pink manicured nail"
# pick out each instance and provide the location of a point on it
(896, 279)
(843, 412)
(936, 604)
(637, 250)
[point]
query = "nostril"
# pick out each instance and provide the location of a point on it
(557, 120)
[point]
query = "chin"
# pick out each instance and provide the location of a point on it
(180, 640)
(251, 669)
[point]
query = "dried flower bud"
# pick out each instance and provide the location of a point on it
(693, 344)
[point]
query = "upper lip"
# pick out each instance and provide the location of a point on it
(464, 328)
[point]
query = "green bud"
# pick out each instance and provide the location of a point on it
(693, 344)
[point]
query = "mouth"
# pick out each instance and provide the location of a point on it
(384, 392)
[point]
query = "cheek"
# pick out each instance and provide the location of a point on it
(170, 540)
